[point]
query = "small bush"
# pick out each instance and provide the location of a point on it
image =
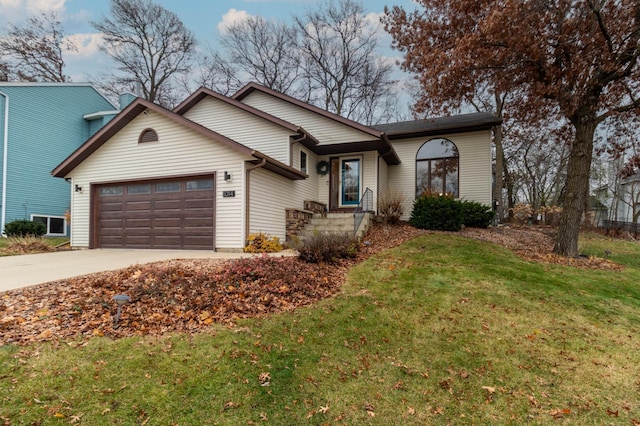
(437, 212)
(328, 247)
(391, 205)
(262, 243)
(24, 228)
(477, 215)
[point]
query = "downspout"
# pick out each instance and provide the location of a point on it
(5, 148)
(247, 195)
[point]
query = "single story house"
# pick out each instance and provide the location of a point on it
(40, 124)
(215, 169)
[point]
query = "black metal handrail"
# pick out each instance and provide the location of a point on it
(365, 205)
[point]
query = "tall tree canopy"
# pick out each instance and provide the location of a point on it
(328, 58)
(149, 43)
(34, 51)
(576, 58)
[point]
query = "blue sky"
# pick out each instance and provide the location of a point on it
(206, 18)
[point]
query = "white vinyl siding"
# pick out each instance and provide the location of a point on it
(179, 152)
(242, 127)
(270, 196)
(383, 179)
(326, 130)
(475, 167)
(306, 189)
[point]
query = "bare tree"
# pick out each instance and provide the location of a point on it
(345, 74)
(264, 51)
(328, 58)
(149, 43)
(34, 51)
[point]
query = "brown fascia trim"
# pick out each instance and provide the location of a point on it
(383, 147)
(203, 92)
(444, 130)
(278, 167)
(136, 108)
(246, 90)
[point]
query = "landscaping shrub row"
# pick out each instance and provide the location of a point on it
(445, 213)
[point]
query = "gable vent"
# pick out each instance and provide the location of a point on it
(148, 135)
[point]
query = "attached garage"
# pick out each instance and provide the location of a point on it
(159, 214)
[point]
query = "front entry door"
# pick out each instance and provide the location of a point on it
(350, 182)
(334, 184)
(344, 183)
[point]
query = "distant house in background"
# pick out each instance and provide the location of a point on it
(40, 125)
(622, 203)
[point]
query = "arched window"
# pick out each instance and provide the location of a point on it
(148, 135)
(437, 168)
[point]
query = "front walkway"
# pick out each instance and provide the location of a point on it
(31, 269)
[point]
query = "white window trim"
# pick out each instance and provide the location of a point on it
(49, 234)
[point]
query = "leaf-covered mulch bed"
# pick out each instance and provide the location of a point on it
(190, 295)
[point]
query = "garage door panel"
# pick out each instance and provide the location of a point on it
(111, 207)
(167, 214)
(109, 241)
(192, 222)
(198, 203)
(112, 224)
(167, 205)
(167, 222)
(137, 223)
(138, 206)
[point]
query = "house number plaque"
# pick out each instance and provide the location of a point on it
(227, 194)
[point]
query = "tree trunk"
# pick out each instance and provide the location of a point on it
(577, 188)
(511, 197)
(499, 179)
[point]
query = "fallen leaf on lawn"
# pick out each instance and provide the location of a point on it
(489, 389)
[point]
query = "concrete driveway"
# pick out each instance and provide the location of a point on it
(30, 269)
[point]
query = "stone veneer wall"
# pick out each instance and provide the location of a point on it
(297, 219)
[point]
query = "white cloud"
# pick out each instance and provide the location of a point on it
(37, 6)
(233, 16)
(15, 11)
(88, 44)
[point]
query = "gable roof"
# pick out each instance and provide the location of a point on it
(434, 126)
(54, 84)
(307, 139)
(382, 145)
(139, 106)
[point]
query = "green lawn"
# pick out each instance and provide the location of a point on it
(442, 330)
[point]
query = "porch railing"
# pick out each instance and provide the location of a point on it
(365, 206)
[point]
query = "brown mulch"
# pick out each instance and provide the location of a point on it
(189, 296)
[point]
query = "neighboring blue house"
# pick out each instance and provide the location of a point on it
(40, 125)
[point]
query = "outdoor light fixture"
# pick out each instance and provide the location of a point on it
(78, 188)
(120, 299)
(227, 176)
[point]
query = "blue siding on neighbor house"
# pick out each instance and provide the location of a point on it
(46, 124)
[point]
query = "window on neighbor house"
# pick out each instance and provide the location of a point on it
(56, 225)
(148, 135)
(303, 162)
(437, 168)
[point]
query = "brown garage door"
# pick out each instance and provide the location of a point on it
(162, 214)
